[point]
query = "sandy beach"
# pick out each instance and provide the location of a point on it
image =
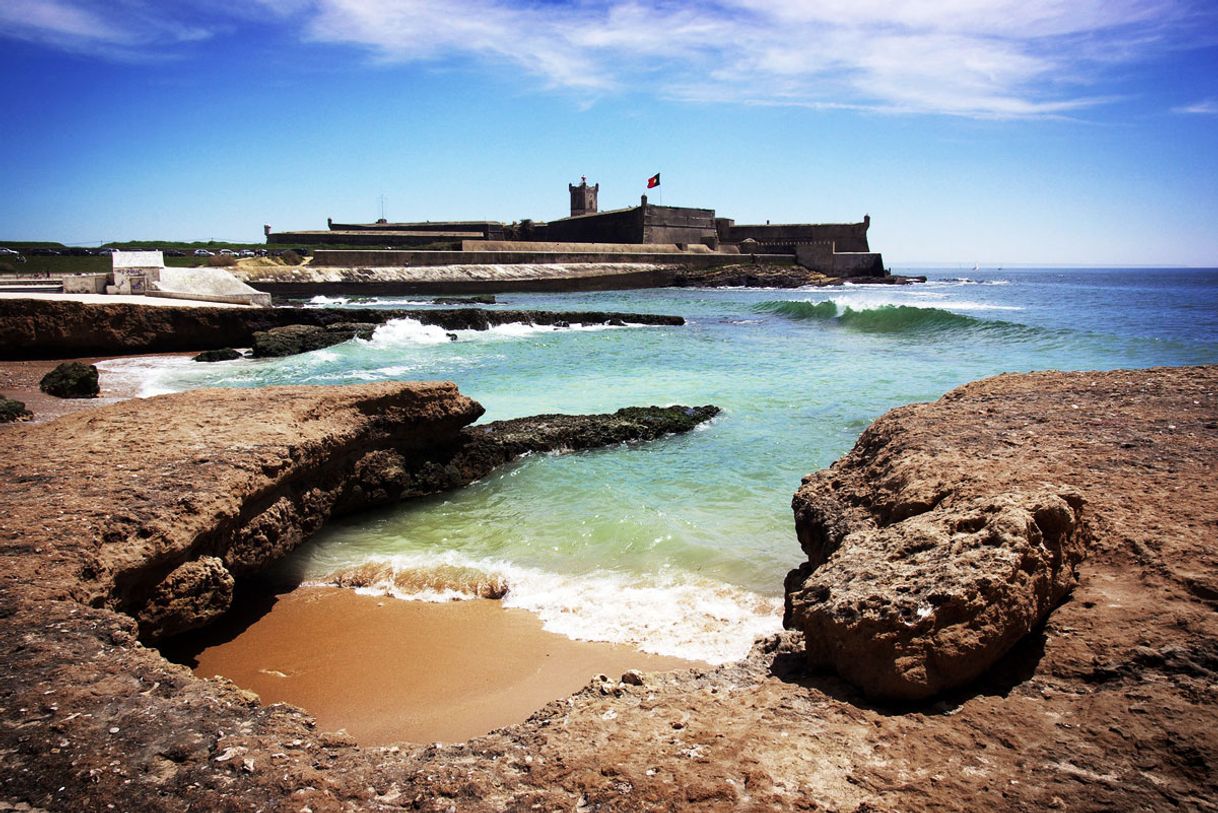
(407, 671)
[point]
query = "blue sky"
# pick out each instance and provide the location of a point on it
(992, 131)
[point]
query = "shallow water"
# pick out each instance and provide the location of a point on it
(680, 546)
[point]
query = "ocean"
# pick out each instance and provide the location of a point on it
(680, 546)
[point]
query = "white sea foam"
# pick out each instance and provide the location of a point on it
(688, 617)
(149, 375)
(405, 332)
(398, 333)
(323, 301)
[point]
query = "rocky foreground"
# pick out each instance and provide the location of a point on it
(1110, 702)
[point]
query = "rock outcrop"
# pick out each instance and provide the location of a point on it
(908, 610)
(1109, 705)
(42, 329)
(292, 339)
(71, 380)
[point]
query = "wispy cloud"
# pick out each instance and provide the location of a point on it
(1205, 107)
(977, 58)
(130, 29)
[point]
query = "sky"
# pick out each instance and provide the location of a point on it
(972, 131)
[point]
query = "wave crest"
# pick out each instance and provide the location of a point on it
(879, 319)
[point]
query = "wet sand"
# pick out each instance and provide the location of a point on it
(391, 671)
(19, 380)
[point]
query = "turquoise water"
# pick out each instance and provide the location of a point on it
(680, 546)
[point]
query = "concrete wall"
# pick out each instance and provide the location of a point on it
(816, 256)
(257, 298)
(858, 264)
(617, 226)
(403, 239)
(821, 257)
(85, 283)
(678, 224)
(122, 260)
(487, 229)
(646, 223)
(534, 245)
(851, 237)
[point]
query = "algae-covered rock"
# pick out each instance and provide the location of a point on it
(292, 339)
(223, 354)
(71, 379)
(12, 410)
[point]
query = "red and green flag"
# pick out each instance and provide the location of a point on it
(653, 181)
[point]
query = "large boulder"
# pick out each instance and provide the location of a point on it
(71, 379)
(950, 532)
(929, 603)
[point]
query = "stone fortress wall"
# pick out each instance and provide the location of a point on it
(836, 249)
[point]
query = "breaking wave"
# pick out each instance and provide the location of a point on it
(687, 617)
(882, 318)
(405, 332)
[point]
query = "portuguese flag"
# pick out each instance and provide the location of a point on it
(653, 181)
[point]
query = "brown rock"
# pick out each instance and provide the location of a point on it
(927, 604)
(190, 597)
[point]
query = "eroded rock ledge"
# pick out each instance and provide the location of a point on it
(1110, 705)
(157, 506)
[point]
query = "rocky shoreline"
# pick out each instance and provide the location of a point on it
(1109, 702)
(48, 329)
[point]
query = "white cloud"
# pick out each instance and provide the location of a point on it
(1205, 107)
(120, 29)
(980, 58)
(984, 58)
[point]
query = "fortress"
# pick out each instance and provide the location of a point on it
(644, 233)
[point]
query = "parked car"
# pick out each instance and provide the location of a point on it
(262, 252)
(44, 252)
(173, 252)
(77, 251)
(8, 252)
(106, 250)
(246, 252)
(202, 252)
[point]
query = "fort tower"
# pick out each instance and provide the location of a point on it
(583, 198)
